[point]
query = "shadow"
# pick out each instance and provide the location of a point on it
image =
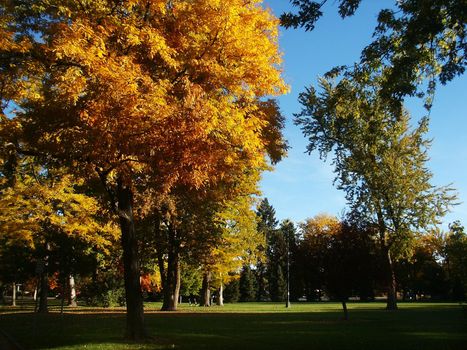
(425, 327)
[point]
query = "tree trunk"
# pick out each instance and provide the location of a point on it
(172, 282)
(205, 291)
(134, 300)
(2, 295)
(72, 292)
(220, 299)
(43, 292)
(391, 282)
(344, 308)
(13, 294)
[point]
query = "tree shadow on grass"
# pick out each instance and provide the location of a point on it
(419, 328)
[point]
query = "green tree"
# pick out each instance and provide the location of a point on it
(267, 224)
(232, 291)
(247, 284)
(379, 161)
(190, 280)
(415, 41)
(456, 260)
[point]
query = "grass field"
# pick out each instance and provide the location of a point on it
(245, 326)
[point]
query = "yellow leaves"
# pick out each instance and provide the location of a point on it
(174, 87)
(31, 207)
(321, 224)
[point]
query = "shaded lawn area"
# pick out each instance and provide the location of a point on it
(250, 326)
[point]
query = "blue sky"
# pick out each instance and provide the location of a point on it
(301, 186)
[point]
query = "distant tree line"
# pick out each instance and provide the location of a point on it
(336, 260)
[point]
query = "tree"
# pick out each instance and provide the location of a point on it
(380, 163)
(232, 291)
(456, 259)
(293, 284)
(267, 224)
(139, 91)
(316, 233)
(247, 285)
(348, 263)
(421, 275)
(276, 265)
(238, 243)
(190, 281)
(47, 216)
(415, 41)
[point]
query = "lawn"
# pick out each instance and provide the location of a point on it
(249, 326)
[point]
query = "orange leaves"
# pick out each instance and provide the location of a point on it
(172, 86)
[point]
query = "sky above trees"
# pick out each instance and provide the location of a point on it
(301, 186)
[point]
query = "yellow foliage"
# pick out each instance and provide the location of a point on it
(169, 88)
(31, 207)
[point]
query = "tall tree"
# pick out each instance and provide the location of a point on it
(247, 284)
(416, 43)
(380, 163)
(46, 215)
(316, 233)
(267, 224)
(140, 89)
(456, 259)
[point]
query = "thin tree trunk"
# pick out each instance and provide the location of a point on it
(389, 269)
(43, 292)
(13, 295)
(62, 296)
(391, 282)
(35, 294)
(205, 291)
(344, 308)
(2, 295)
(72, 292)
(220, 299)
(134, 300)
(172, 282)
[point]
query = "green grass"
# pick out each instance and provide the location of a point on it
(250, 326)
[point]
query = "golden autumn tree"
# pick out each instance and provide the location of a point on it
(137, 90)
(237, 244)
(43, 212)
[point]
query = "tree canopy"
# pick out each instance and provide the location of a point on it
(416, 43)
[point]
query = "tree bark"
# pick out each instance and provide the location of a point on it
(13, 294)
(2, 295)
(220, 299)
(134, 300)
(172, 281)
(43, 292)
(72, 292)
(205, 291)
(391, 282)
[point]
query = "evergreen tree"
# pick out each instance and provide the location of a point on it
(267, 224)
(289, 232)
(247, 285)
(232, 291)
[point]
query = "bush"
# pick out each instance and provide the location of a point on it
(105, 290)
